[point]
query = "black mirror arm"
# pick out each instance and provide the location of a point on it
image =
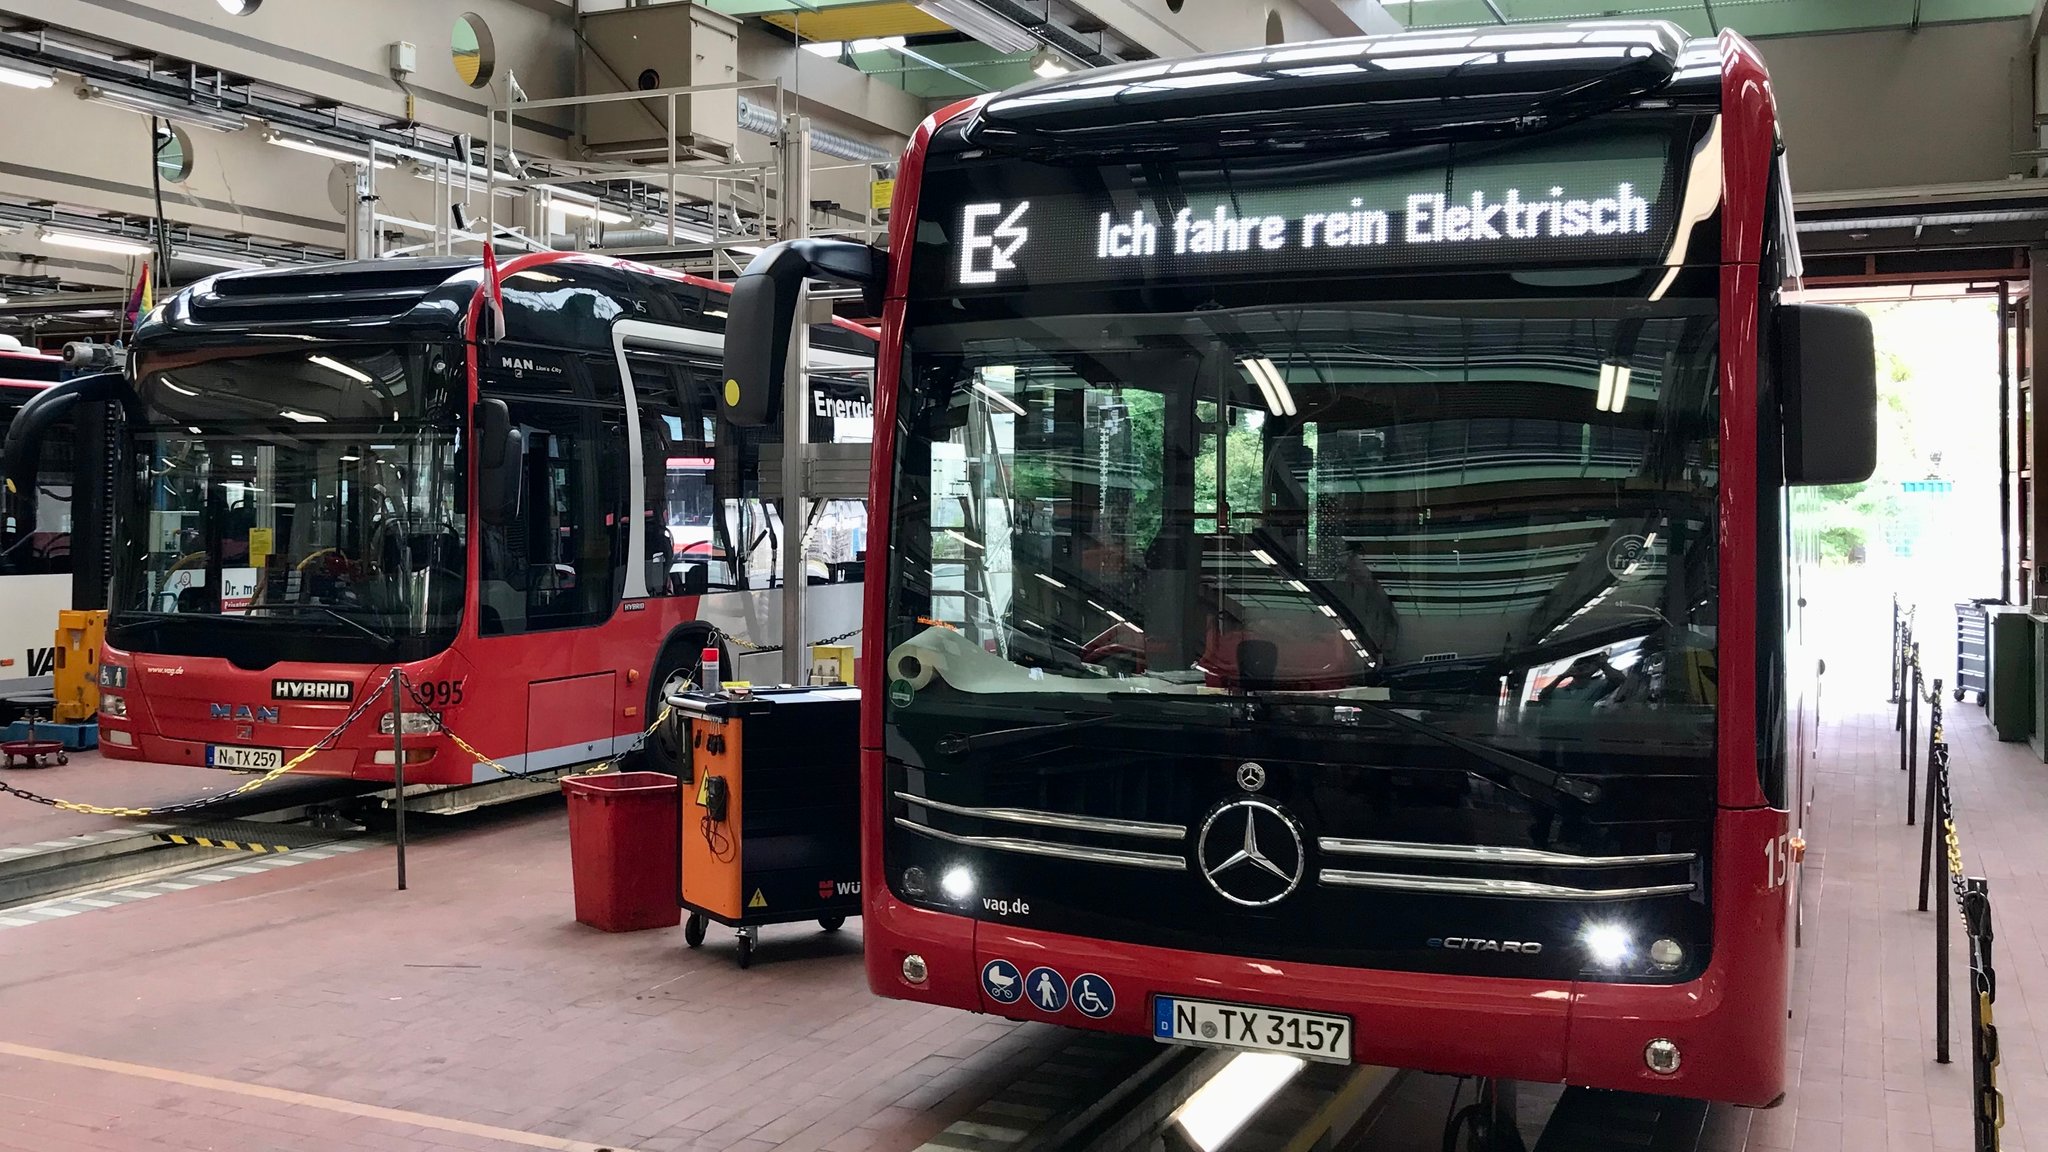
(863, 266)
(21, 451)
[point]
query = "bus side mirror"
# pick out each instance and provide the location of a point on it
(500, 454)
(762, 314)
(1827, 366)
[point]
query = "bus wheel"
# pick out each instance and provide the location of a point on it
(662, 752)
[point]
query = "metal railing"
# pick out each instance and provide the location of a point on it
(1972, 893)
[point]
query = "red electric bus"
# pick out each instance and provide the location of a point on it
(325, 472)
(1337, 603)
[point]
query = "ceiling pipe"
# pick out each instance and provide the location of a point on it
(760, 121)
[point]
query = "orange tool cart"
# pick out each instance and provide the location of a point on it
(770, 810)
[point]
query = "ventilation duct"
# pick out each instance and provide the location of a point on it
(838, 145)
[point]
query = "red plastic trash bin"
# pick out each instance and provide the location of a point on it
(622, 850)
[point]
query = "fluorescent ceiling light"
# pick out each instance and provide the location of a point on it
(97, 243)
(333, 365)
(1278, 398)
(1234, 1095)
(970, 17)
(718, 312)
(829, 49)
(301, 417)
(149, 105)
(27, 76)
(331, 151)
(1613, 387)
(1048, 580)
(215, 260)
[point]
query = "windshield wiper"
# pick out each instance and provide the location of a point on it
(380, 637)
(1519, 767)
(957, 745)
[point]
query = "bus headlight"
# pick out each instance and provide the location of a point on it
(914, 970)
(1608, 945)
(957, 883)
(1666, 955)
(113, 675)
(114, 706)
(416, 724)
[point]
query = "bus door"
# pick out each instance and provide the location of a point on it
(550, 577)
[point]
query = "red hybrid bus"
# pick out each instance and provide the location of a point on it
(326, 472)
(1337, 600)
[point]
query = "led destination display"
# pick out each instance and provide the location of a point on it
(1577, 199)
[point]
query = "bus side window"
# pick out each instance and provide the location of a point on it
(654, 392)
(557, 566)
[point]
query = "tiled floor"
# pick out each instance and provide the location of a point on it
(1862, 1033)
(92, 779)
(314, 1007)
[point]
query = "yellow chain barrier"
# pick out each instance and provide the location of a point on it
(243, 789)
(290, 765)
(605, 765)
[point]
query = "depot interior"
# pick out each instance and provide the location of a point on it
(152, 147)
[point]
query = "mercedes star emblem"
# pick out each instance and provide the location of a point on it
(1251, 776)
(1250, 852)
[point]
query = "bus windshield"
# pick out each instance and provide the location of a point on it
(311, 494)
(1470, 499)
(1435, 425)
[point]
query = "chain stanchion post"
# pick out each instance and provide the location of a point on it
(1899, 674)
(398, 769)
(1937, 772)
(1913, 697)
(1930, 828)
(1894, 699)
(1988, 1104)
(1933, 737)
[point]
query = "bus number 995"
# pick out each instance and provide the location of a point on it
(439, 694)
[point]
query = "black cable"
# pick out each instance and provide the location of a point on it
(162, 272)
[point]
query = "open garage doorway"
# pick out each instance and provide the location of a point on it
(1927, 524)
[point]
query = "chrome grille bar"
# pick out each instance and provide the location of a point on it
(1478, 886)
(1117, 856)
(1103, 824)
(1490, 854)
